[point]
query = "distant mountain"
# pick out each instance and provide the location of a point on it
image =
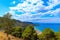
(23, 24)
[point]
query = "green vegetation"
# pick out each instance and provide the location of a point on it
(25, 30)
(29, 33)
(15, 31)
(47, 34)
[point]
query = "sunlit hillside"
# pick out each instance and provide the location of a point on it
(3, 36)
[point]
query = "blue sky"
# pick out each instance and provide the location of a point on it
(44, 11)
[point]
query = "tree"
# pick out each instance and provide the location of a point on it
(16, 31)
(58, 35)
(7, 15)
(29, 33)
(7, 23)
(48, 34)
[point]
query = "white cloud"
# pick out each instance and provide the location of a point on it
(13, 2)
(47, 20)
(52, 3)
(24, 6)
(28, 8)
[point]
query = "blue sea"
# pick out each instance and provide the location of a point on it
(53, 26)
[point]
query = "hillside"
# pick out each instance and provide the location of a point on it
(23, 24)
(3, 36)
(13, 23)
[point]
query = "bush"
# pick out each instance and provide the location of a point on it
(15, 31)
(29, 33)
(47, 34)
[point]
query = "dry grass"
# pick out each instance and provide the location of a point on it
(3, 36)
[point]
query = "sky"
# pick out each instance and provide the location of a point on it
(42, 11)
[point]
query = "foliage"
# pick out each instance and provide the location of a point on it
(16, 31)
(6, 21)
(58, 35)
(47, 34)
(29, 33)
(7, 15)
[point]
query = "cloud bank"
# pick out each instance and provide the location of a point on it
(37, 11)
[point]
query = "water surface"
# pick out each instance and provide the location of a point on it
(54, 26)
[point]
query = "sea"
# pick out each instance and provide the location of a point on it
(53, 26)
